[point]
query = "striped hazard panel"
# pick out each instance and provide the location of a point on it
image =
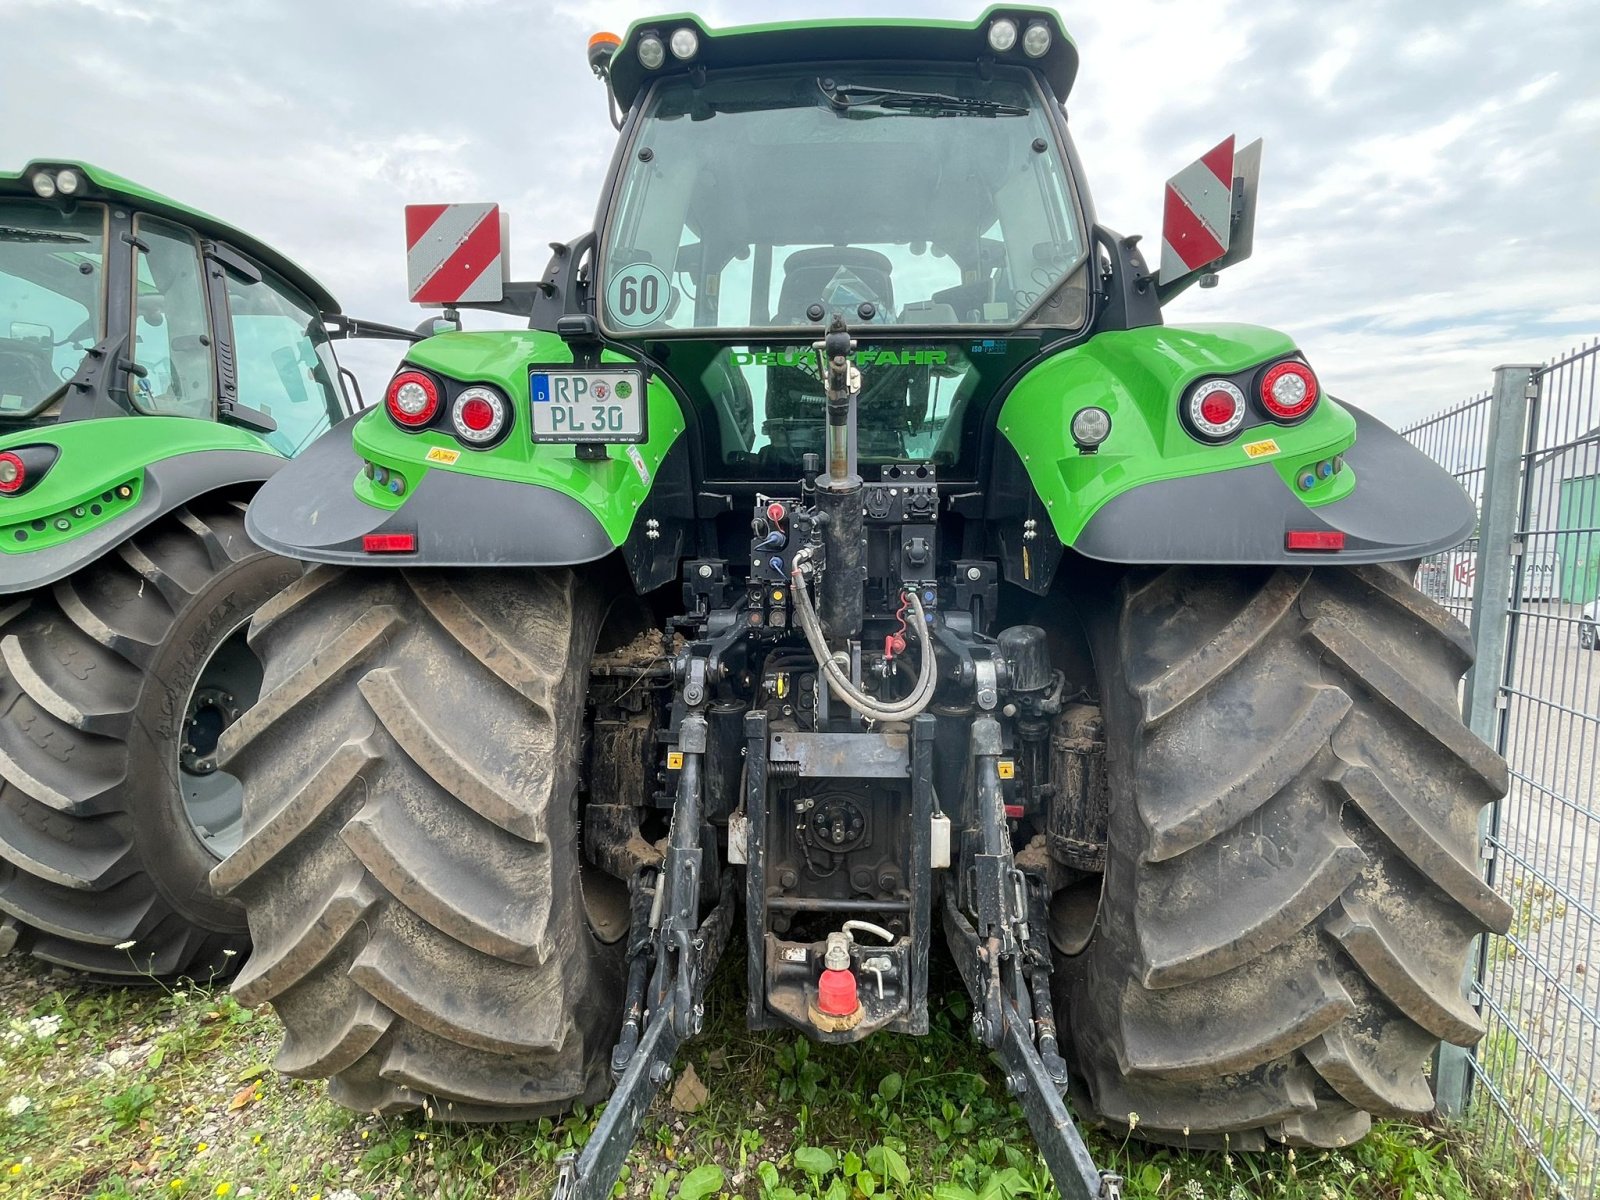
(1196, 213)
(455, 253)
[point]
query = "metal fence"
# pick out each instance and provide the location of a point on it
(1529, 454)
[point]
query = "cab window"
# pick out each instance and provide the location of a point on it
(286, 364)
(172, 328)
(52, 302)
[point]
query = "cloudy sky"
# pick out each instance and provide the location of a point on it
(1430, 196)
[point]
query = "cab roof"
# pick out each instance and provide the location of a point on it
(850, 39)
(108, 186)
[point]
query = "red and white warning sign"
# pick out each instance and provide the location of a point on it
(1196, 217)
(455, 253)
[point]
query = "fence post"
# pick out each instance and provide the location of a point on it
(1498, 548)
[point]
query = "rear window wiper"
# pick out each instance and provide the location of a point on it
(25, 233)
(845, 96)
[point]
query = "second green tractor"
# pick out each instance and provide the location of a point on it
(156, 366)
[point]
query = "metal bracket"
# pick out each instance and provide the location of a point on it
(1008, 978)
(685, 951)
(1028, 1078)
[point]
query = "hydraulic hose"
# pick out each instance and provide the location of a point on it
(839, 682)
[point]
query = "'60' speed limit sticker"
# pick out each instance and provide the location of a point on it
(637, 295)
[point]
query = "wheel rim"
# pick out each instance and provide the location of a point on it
(213, 800)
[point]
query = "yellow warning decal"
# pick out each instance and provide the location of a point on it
(1008, 769)
(442, 454)
(1260, 449)
(674, 760)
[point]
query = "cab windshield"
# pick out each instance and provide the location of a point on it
(52, 299)
(916, 196)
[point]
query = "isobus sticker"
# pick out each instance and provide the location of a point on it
(637, 295)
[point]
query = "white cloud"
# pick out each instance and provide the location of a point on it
(1429, 182)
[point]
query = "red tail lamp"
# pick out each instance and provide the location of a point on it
(1216, 409)
(479, 415)
(13, 473)
(412, 400)
(1289, 391)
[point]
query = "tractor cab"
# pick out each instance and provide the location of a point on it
(933, 204)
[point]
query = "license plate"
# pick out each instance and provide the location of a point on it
(587, 406)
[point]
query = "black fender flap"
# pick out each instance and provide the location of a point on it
(1404, 506)
(168, 482)
(309, 511)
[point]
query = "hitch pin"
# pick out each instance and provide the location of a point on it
(877, 966)
(657, 901)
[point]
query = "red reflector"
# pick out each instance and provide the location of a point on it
(1314, 539)
(389, 543)
(1013, 812)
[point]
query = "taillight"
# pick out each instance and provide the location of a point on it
(13, 473)
(1216, 409)
(413, 399)
(1289, 391)
(479, 414)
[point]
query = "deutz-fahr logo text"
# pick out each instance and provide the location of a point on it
(807, 357)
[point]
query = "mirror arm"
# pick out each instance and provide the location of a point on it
(340, 326)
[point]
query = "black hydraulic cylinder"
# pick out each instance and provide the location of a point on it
(841, 599)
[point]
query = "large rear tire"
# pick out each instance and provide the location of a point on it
(411, 864)
(1291, 883)
(114, 684)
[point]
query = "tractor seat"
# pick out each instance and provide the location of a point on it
(826, 275)
(25, 376)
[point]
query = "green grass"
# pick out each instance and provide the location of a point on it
(170, 1093)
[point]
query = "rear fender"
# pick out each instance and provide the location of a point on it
(1153, 493)
(110, 479)
(516, 504)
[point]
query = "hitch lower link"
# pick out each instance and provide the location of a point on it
(1006, 966)
(671, 955)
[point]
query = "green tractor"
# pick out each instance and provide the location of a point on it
(126, 576)
(848, 543)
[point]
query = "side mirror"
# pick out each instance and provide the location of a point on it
(287, 363)
(1209, 216)
(28, 331)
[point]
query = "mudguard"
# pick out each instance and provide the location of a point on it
(310, 511)
(1154, 493)
(110, 480)
(515, 504)
(1404, 506)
